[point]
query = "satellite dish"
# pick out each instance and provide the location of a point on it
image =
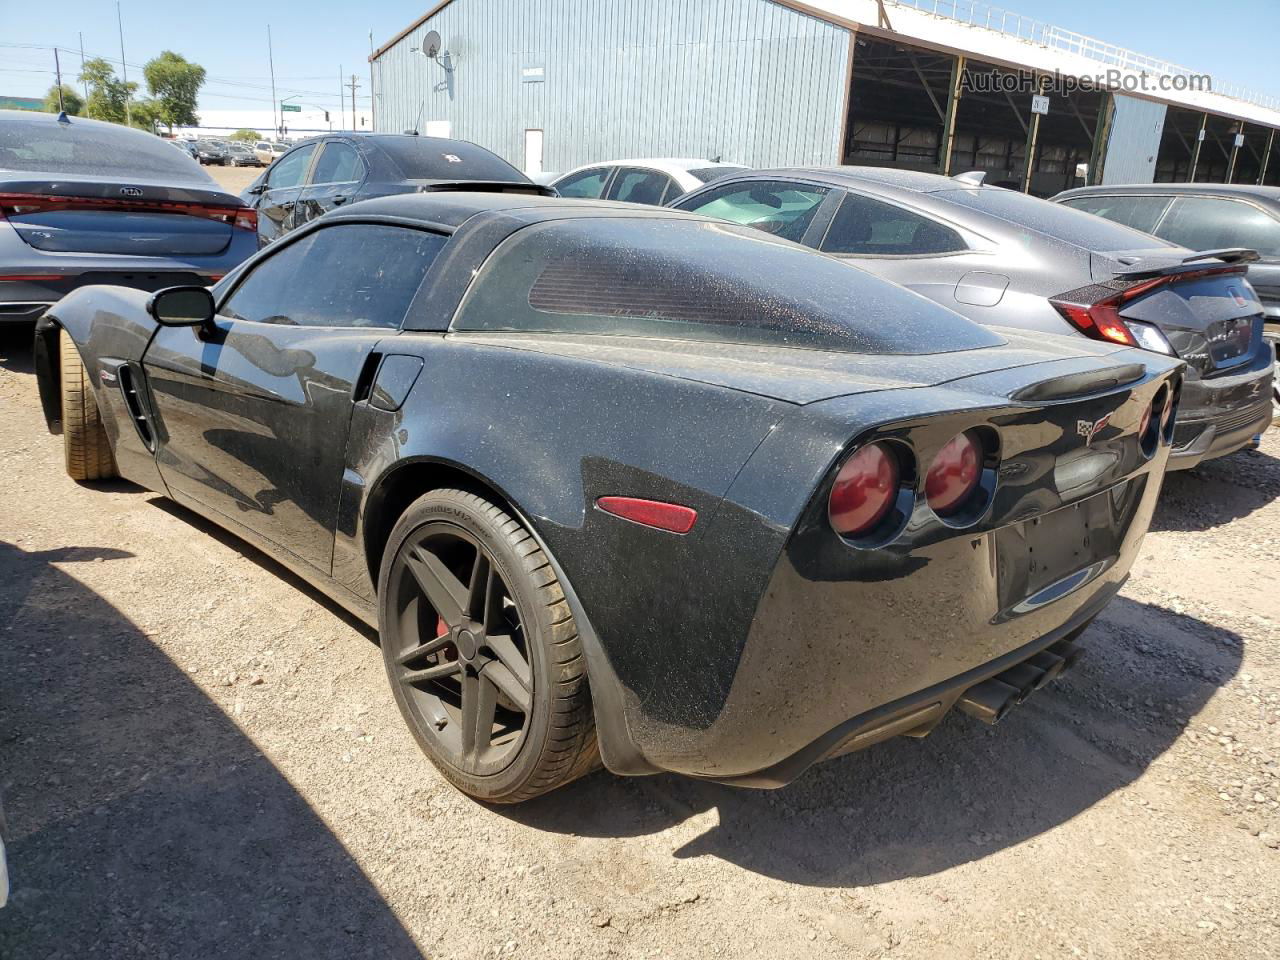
(431, 44)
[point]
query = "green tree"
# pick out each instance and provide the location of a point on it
(146, 114)
(72, 102)
(248, 136)
(107, 94)
(175, 82)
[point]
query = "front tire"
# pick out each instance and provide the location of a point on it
(482, 651)
(86, 449)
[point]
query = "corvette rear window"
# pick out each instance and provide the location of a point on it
(696, 280)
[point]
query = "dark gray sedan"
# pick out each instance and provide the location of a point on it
(1006, 259)
(326, 173)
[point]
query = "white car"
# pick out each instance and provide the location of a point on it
(267, 152)
(652, 181)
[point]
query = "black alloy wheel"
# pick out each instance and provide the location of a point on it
(482, 651)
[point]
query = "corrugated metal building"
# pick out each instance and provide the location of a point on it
(553, 84)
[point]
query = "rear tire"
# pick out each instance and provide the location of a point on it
(514, 622)
(85, 447)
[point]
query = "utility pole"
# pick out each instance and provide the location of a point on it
(124, 68)
(373, 98)
(82, 77)
(275, 104)
(342, 101)
(353, 85)
(57, 68)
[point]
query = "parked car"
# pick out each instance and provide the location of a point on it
(1203, 216)
(325, 173)
(653, 182)
(212, 153)
(714, 501)
(84, 202)
(1004, 258)
(186, 146)
(241, 155)
(266, 151)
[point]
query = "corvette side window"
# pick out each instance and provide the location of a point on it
(347, 275)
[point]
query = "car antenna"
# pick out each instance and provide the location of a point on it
(975, 177)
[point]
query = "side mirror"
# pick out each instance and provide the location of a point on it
(257, 189)
(182, 306)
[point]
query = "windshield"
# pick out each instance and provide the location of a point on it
(700, 280)
(1052, 219)
(92, 149)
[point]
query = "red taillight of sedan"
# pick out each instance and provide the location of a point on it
(18, 204)
(864, 491)
(954, 474)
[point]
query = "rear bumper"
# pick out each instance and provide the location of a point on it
(1222, 415)
(916, 714)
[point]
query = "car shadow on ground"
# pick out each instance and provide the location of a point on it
(268, 565)
(143, 822)
(1217, 492)
(910, 808)
(15, 347)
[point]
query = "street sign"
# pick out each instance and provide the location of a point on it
(1039, 104)
(290, 108)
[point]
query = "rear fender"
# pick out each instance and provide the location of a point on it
(557, 434)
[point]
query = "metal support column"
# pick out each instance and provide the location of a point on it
(1266, 157)
(1235, 150)
(1195, 156)
(949, 122)
(1101, 131)
(1033, 134)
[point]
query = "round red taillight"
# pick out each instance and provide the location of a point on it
(865, 489)
(953, 474)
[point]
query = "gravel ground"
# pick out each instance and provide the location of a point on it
(233, 179)
(200, 758)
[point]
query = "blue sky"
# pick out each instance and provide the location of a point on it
(313, 38)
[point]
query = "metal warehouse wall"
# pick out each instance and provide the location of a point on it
(1134, 142)
(747, 80)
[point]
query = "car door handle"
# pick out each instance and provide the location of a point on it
(339, 199)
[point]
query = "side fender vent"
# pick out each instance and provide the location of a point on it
(133, 403)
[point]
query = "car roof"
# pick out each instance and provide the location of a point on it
(665, 164)
(452, 208)
(1220, 189)
(915, 181)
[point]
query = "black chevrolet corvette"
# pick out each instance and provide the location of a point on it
(630, 484)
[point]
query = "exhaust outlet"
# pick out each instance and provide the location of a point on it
(1069, 652)
(989, 700)
(1050, 663)
(1024, 678)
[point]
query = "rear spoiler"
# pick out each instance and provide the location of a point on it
(488, 186)
(1231, 260)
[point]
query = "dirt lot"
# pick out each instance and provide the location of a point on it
(200, 758)
(233, 179)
